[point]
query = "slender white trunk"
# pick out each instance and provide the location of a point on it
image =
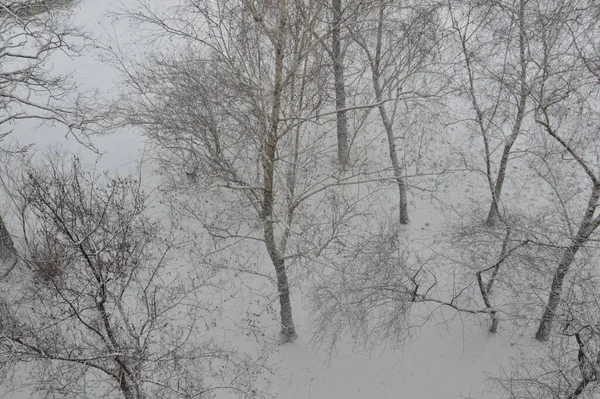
(288, 331)
(586, 228)
(494, 213)
(340, 86)
(398, 170)
(387, 123)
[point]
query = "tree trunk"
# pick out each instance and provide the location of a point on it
(124, 386)
(340, 87)
(398, 170)
(586, 228)
(497, 190)
(580, 387)
(387, 123)
(288, 332)
(494, 212)
(486, 300)
(7, 247)
(545, 327)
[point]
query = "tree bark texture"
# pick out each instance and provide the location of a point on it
(288, 331)
(340, 86)
(387, 123)
(398, 170)
(586, 228)
(7, 247)
(493, 214)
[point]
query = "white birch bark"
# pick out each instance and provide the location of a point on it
(340, 86)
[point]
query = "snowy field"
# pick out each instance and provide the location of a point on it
(443, 353)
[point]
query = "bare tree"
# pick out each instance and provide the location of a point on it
(396, 43)
(97, 308)
(564, 81)
(382, 285)
(569, 367)
(240, 116)
(232, 113)
(367, 292)
(32, 31)
(493, 42)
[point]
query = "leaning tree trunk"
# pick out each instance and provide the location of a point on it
(7, 247)
(545, 327)
(588, 225)
(288, 331)
(493, 214)
(586, 228)
(340, 86)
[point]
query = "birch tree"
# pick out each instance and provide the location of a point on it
(565, 111)
(396, 43)
(235, 112)
(569, 366)
(337, 56)
(493, 42)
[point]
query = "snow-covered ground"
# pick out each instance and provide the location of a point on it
(450, 356)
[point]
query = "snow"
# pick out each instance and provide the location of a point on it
(440, 361)
(448, 357)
